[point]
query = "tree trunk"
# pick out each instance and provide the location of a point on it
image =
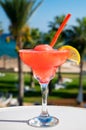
(4, 62)
(80, 93)
(21, 82)
(32, 84)
(50, 87)
(59, 75)
(19, 44)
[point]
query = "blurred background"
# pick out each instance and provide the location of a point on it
(27, 23)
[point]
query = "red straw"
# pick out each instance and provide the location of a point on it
(59, 30)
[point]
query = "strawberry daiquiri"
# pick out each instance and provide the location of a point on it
(44, 60)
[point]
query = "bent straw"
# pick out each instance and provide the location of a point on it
(59, 30)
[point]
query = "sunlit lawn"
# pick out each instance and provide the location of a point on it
(9, 83)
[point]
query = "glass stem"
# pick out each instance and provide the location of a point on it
(44, 91)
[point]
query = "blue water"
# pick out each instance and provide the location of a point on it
(7, 48)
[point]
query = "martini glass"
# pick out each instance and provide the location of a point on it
(44, 65)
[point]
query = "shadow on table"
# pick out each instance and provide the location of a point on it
(15, 121)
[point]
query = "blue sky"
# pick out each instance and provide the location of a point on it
(48, 10)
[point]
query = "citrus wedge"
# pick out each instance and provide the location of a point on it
(73, 53)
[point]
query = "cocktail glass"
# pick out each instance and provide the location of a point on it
(44, 65)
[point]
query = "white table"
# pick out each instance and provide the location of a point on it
(70, 118)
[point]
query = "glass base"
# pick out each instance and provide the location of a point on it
(43, 121)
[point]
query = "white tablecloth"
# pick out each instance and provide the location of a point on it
(15, 118)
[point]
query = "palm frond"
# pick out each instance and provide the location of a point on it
(19, 11)
(34, 9)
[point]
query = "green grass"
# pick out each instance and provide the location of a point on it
(9, 83)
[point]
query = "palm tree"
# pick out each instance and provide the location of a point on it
(76, 36)
(53, 28)
(27, 38)
(36, 36)
(18, 12)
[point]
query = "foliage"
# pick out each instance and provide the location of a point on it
(36, 36)
(19, 11)
(76, 35)
(9, 82)
(54, 26)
